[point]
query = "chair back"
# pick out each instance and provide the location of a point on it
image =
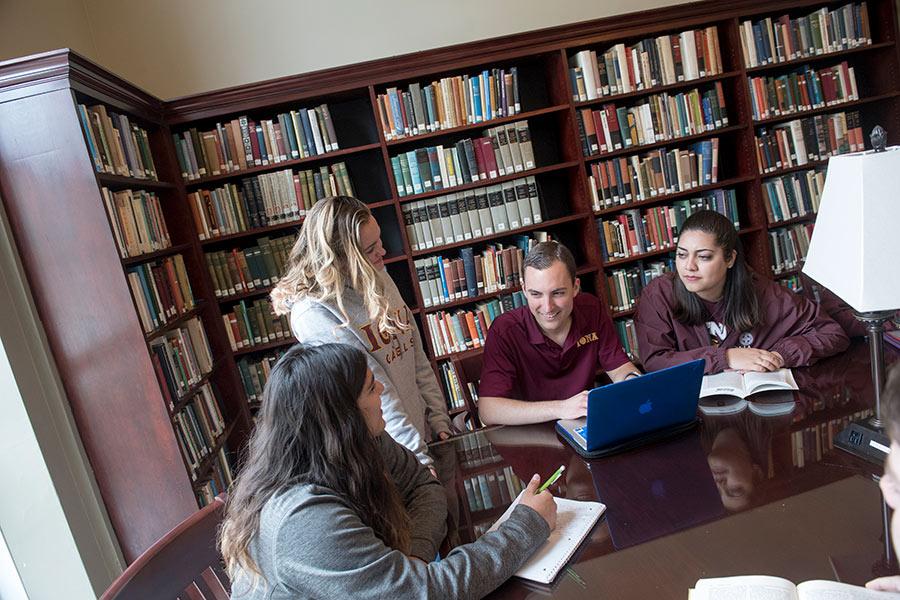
(184, 564)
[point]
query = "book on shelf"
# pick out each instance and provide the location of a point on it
(137, 221)
(181, 358)
(766, 586)
(823, 31)
(467, 329)
(792, 282)
(242, 143)
(625, 285)
(254, 372)
(641, 177)
(449, 102)
(451, 385)
(498, 267)
(656, 118)
(742, 385)
(161, 291)
(116, 145)
(501, 151)
(793, 195)
(628, 336)
(788, 246)
(634, 232)
(198, 425)
(802, 90)
(254, 323)
(472, 214)
(266, 199)
(651, 62)
(796, 143)
(245, 269)
(220, 478)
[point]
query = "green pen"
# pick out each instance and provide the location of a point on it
(552, 479)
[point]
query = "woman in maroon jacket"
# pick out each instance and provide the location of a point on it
(715, 308)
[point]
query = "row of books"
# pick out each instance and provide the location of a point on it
(451, 385)
(625, 285)
(492, 490)
(266, 199)
(244, 269)
(628, 336)
(467, 329)
(501, 151)
(447, 103)
(792, 282)
(641, 177)
(472, 214)
(823, 31)
(137, 221)
(788, 246)
(181, 358)
(663, 60)
(801, 90)
(497, 267)
(473, 451)
(793, 195)
(197, 427)
(116, 145)
(656, 118)
(242, 143)
(249, 325)
(161, 290)
(254, 371)
(811, 444)
(219, 481)
(634, 232)
(797, 142)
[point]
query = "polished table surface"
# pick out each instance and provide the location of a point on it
(739, 495)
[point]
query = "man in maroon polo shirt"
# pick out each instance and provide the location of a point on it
(540, 360)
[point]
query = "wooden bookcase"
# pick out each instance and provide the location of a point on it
(77, 277)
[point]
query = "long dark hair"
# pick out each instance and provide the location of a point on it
(742, 310)
(310, 430)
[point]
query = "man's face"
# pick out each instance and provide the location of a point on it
(551, 296)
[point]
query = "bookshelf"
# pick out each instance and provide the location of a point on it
(96, 335)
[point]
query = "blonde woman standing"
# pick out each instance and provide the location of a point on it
(337, 290)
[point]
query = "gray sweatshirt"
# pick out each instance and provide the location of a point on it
(412, 396)
(312, 544)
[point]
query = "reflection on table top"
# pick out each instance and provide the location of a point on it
(741, 494)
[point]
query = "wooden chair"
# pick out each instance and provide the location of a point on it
(468, 369)
(184, 564)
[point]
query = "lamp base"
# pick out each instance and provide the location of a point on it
(865, 440)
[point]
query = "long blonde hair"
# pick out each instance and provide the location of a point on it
(327, 259)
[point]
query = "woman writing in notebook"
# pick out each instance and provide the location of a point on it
(337, 290)
(328, 506)
(716, 309)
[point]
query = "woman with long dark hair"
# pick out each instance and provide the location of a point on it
(713, 307)
(328, 506)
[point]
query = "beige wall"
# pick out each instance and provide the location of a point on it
(178, 47)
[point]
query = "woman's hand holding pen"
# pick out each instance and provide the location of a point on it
(541, 502)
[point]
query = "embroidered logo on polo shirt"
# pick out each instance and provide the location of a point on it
(746, 340)
(587, 339)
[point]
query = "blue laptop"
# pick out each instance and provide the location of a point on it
(631, 413)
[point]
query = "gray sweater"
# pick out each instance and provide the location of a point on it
(311, 544)
(412, 396)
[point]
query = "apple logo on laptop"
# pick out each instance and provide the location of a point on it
(645, 407)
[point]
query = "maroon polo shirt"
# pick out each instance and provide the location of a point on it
(520, 362)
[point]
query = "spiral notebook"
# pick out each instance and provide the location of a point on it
(574, 521)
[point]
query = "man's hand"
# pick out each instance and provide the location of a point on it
(443, 436)
(574, 407)
(753, 359)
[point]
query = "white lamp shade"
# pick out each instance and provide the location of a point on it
(855, 246)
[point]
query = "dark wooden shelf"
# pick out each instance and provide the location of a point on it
(619, 314)
(672, 142)
(834, 108)
(522, 116)
(659, 89)
(801, 219)
(184, 398)
(142, 258)
(828, 56)
(252, 233)
(788, 272)
(486, 182)
(122, 182)
(280, 166)
(502, 234)
(636, 257)
(260, 291)
(263, 347)
(206, 464)
(175, 322)
(809, 166)
(665, 198)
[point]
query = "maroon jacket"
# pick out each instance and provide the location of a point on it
(792, 326)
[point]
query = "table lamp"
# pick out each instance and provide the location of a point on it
(855, 252)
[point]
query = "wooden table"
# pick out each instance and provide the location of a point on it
(740, 494)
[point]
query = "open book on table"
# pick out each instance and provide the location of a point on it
(763, 587)
(574, 521)
(728, 393)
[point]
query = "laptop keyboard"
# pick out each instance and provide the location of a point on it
(581, 432)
